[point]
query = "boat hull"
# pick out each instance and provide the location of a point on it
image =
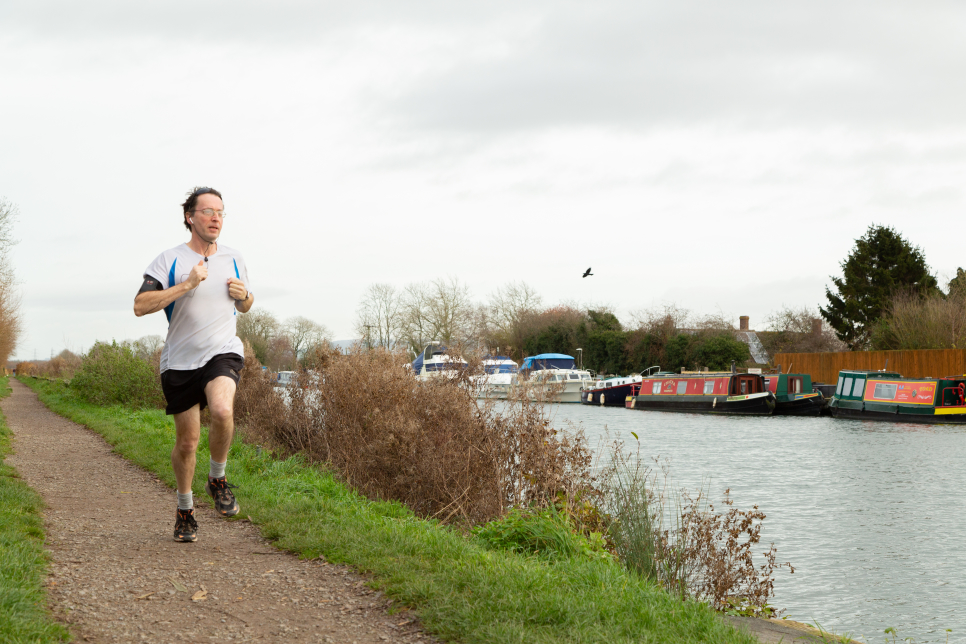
(939, 415)
(752, 405)
(809, 405)
(609, 397)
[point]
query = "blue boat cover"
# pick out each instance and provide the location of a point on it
(500, 368)
(418, 362)
(547, 361)
(436, 349)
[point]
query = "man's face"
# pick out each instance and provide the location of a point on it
(208, 228)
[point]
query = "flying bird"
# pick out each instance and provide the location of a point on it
(586, 273)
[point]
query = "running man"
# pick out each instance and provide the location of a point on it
(200, 286)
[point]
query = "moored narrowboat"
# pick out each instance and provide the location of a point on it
(609, 392)
(794, 395)
(704, 393)
(884, 395)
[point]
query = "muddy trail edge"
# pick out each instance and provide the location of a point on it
(117, 575)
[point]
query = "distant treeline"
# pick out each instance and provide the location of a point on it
(514, 322)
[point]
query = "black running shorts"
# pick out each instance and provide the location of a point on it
(185, 389)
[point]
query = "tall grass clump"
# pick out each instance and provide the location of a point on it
(546, 532)
(426, 444)
(683, 542)
(113, 374)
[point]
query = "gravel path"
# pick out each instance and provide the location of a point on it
(118, 576)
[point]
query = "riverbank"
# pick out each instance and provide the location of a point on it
(457, 588)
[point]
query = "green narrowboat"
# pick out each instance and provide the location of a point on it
(884, 395)
(794, 395)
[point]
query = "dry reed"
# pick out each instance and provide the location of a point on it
(430, 445)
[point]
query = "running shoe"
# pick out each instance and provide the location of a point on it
(185, 526)
(220, 491)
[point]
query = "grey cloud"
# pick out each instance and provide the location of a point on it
(751, 63)
(297, 22)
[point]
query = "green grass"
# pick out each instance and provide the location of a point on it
(460, 589)
(23, 563)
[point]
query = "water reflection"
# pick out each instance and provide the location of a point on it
(870, 514)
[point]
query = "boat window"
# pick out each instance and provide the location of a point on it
(744, 387)
(574, 376)
(656, 389)
(847, 387)
(709, 386)
(885, 391)
(859, 387)
(607, 386)
(838, 389)
(794, 385)
(682, 386)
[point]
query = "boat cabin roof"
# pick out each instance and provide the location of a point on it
(868, 373)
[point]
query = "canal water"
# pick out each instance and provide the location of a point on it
(870, 514)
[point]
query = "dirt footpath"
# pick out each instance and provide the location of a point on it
(118, 576)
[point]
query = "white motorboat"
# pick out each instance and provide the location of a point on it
(497, 377)
(435, 362)
(558, 371)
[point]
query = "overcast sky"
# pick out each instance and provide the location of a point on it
(719, 156)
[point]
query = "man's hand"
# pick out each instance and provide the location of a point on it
(198, 275)
(237, 289)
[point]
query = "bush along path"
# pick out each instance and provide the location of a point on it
(118, 575)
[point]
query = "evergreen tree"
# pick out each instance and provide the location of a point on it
(881, 264)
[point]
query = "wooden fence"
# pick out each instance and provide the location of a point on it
(825, 367)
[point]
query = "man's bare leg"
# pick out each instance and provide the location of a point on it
(221, 401)
(187, 431)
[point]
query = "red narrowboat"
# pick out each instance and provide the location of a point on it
(704, 393)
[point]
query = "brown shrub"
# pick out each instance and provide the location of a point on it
(63, 365)
(26, 369)
(430, 445)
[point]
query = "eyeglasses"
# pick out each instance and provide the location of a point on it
(211, 212)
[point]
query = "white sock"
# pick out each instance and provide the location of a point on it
(216, 470)
(185, 501)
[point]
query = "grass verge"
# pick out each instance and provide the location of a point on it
(460, 589)
(23, 562)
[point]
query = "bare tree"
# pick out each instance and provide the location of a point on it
(663, 322)
(304, 335)
(438, 310)
(10, 320)
(510, 303)
(258, 327)
(379, 316)
(449, 309)
(279, 355)
(799, 330)
(146, 346)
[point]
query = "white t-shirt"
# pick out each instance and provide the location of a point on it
(201, 323)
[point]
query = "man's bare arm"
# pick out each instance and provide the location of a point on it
(244, 300)
(153, 301)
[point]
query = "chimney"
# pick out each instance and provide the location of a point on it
(817, 327)
(743, 323)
